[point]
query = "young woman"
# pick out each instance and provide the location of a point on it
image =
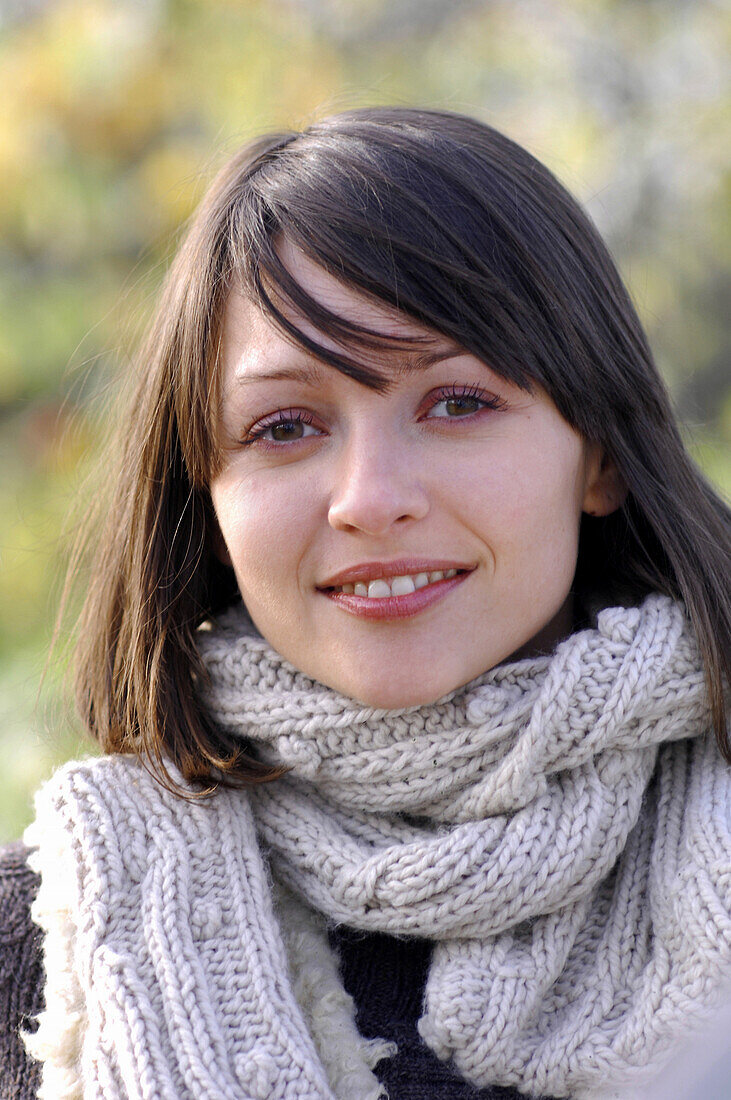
(406, 643)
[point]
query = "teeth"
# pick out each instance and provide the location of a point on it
(396, 586)
(379, 590)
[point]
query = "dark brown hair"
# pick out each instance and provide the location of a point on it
(449, 221)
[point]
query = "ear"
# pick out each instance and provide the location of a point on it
(605, 490)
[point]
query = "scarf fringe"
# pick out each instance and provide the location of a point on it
(329, 1011)
(57, 1043)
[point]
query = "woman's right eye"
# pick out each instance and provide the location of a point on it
(285, 426)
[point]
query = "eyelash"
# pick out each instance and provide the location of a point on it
(300, 416)
(456, 391)
(281, 416)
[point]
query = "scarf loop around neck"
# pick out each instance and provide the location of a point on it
(559, 827)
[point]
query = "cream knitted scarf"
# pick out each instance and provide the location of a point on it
(559, 827)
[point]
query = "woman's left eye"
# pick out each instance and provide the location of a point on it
(457, 402)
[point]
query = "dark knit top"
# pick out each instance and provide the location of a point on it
(384, 975)
(21, 974)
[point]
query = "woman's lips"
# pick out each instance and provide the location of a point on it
(395, 607)
(371, 570)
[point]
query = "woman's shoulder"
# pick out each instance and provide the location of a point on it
(21, 972)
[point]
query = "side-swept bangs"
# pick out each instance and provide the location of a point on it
(448, 221)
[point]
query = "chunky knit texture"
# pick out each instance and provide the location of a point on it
(166, 972)
(560, 827)
(21, 973)
(385, 975)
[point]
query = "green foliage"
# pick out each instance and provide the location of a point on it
(115, 114)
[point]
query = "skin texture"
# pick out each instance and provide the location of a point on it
(382, 476)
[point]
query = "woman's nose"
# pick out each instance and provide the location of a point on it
(375, 488)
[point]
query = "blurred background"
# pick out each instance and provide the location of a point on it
(115, 114)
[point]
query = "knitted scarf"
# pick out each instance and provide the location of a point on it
(559, 827)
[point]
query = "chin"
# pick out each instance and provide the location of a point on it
(395, 700)
(396, 696)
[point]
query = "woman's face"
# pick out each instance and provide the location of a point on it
(327, 484)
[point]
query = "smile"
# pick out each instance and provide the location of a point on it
(383, 587)
(395, 597)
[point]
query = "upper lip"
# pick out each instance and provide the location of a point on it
(372, 570)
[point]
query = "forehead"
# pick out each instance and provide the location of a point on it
(250, 335)
(341, 299)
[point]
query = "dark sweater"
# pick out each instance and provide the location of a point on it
(21, 974)
(384, 975)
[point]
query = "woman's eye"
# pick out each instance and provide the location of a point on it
(286, 428)
(455, 406)
(459, 404)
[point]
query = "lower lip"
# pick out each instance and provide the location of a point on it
(396, 607)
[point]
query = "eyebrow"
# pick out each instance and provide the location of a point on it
(313, 375)
(284, 374)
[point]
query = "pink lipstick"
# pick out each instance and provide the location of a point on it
(394, 606)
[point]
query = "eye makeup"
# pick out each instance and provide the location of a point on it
(459, 401)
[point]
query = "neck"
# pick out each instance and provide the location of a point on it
(545, 641)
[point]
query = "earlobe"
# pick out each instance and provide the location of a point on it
(605, 488)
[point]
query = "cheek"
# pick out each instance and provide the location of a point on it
(526, 504)
(265, 530)
(246, 519)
